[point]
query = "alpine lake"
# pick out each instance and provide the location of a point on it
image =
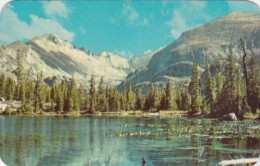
(125, 140)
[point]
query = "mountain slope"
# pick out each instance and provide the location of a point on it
(56, 57)
(213, 38)
(141, 62)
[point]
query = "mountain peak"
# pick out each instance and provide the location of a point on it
(108, 54)
(51, 39)
(242, 14)
(55, 39)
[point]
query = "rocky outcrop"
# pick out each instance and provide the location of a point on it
(213, 38)
(56, 57)
(230, 116)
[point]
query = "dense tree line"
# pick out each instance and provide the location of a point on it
(228, 91)
(233, 90)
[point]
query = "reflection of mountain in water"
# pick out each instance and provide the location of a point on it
(62, 142)
(97, 141)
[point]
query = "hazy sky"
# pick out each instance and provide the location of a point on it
(125, 27)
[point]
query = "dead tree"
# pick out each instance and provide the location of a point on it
(245, 66)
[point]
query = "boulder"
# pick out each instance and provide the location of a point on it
(230, 116)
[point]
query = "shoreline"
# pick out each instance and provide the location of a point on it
(99, 114)
(118, 114)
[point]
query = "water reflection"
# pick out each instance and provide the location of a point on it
(108, 141)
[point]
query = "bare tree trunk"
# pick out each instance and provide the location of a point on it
(245, 67)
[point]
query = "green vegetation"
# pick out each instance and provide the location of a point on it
(231, 90)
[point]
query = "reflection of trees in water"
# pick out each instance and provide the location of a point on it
(86, 141)
(50, 141)
(205, 147)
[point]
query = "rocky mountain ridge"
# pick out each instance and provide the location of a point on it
(56, 57)
(175, 60)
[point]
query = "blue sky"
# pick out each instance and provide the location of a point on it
(125, 27)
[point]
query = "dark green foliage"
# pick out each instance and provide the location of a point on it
(2, 85)
(86, 103)
(163, 100)
(152, 101)
(30, 87)
(22, 92)
(123, 100)
(71, 97)
(81, 93)
(218, 84)
(233, 93)
(101, 99)
(59, 97)
(156, 100)
(254, 85)
(209, 89)
(139, 100)
(130, 99)
(39, 94)
(10, 89)
(169, 96)
(92, 95)
(178, 99)
(195, 90)
(53, 94)
(226, 100)
(185, 99)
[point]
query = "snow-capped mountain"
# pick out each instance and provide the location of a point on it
(176, 60)
(56, 57)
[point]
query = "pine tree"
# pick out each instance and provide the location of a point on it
(245, 71)
(59, 97)
(178, 99)
(238, 88)
(108, 96)
(254, 85)
(86, 102)
(118, 103)
(123, 101)
(114, 102)
(41, 92)
(130, 99)
(152, 101)
(81, 97)
(10, 87)
(218, 84)
(36, 96)
(226, 101)
(230, 76)
(110, 100)
(23, 92)
(30, 87)
(2, 85)
(101, 102)
(156, 100)
(92, 95)
(19, 77)
(169, 96)
(48, 94)
(148, 105)
(163, 100)
(71, 97)
(185, 99)
(195, 90)
(77, 102)
(209, 90)
(139, 104)
(53, 94)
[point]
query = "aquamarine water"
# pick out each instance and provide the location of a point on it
(124, 141)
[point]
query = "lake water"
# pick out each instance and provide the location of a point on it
(124, 141)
